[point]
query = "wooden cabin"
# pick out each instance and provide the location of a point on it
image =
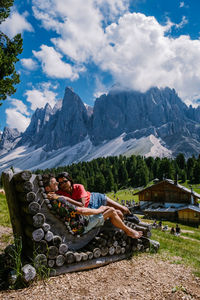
(189, 214)
(165, 199)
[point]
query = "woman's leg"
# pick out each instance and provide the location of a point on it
(111, 213)
(118, 206)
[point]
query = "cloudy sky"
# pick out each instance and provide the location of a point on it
(92, 44)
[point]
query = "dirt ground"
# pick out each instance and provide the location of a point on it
(144, 277)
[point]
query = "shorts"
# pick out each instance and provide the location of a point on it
(94, 221)
(97, 200)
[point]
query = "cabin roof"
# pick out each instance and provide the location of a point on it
(161, 209)
(192, 207)
(170, 181)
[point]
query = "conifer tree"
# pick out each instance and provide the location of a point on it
(9, 50)
(100, 183)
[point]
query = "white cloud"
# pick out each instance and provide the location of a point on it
(53, 65)
(39, 97)
(135, 49)
(20, 106)
(144, 56)
(100, 88)
(181, 4)
(183, 22)
(29, 63)
(80, 27)
(17, 115)
(16, 23)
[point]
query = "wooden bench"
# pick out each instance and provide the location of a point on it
(45, 238)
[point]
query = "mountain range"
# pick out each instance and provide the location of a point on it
(154, 123)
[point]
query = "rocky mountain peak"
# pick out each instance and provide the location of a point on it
(127, 113)
(9, 138)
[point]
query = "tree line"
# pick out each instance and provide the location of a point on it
(112, 173)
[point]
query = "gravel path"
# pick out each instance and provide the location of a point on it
(144, 277)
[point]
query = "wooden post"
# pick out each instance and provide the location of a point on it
(13, 206)
(22, 176)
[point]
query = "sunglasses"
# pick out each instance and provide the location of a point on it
(64, 181)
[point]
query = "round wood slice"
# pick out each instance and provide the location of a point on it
(97, 252)
(118, 250)
(51, 263)
(104, 251)
(38, 220)
(38, 234)
(41, 247)
(111, 250)
(24, 187)
(28, 273)
(63, 248)
(115, 243)
(40, 183)
(90, 254)
(46, 227)
(30, 197)
(57, 240)
(39, 260)
(123, 250)
(78, 256)
(48, 236)
(60, 260)
(34, 208)
(70, 258)
(84, 256)
(52, 252)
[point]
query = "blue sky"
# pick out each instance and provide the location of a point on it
(92, 44)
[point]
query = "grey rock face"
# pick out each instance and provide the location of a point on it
(129, 111)
(158, 112)
(67, 126)
(40, 117)
(9, 138)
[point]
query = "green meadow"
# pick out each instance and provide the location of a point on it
(183, 249)
(4, 214)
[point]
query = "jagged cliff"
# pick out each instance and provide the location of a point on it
(125, 117)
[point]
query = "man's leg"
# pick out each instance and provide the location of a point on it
(118, 206)
(111, 213)
(120, 214)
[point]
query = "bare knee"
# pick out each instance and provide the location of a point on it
(120, 214)
(109, 213)
(111, 210)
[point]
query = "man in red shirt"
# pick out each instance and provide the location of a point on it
(78, 193)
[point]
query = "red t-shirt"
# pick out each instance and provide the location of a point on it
(78, 192)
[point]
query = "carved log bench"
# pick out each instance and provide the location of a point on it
(45, 237)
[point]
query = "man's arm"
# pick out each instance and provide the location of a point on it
(53, 196)
(91, 211)
(82, 200)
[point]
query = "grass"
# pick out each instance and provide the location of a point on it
(177, 249)
(124, 194)
(195, 187)
(4, 214)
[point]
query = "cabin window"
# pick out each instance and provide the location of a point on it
(147, 194)
(196, 215)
